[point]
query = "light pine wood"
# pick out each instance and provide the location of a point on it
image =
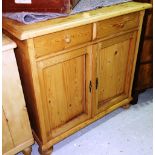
(112, 72)
(7, 43)
(60, 82)
(63, 85)
(130, 64)
(11, 82)
(136, 49)
(6, 138)
(84, 124)
(117, 24)
(37, 92)
(58, 41)
(20, 147)
(27, 151)
(25, 56)
(85, 44)
(46, 152)
(22, 31)
(16, 125)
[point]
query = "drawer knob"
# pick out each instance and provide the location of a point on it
(121, 25)
(67, 39)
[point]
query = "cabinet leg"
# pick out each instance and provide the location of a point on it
(46, 152)
(126, 106)
(27, 151)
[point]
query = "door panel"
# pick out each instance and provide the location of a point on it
(63, 84)
(111, 71)
(114, 63)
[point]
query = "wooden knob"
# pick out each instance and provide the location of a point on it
(121, 25)
(67, 39)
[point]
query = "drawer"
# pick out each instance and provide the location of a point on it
(58, 41)
(117, 24)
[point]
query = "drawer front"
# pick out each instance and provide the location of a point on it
(117, 24)
(58, 41)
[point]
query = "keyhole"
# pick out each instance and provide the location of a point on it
(116, 52)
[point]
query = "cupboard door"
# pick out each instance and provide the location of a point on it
(64, 84)
(114, 60)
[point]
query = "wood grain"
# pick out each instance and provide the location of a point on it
(117, 24)
(20, 147)
(23, 59)
(16, 125)
(6, 138)
(12, 82)
(136, 48)
(112, 73)
(58, 41)
(63, 85)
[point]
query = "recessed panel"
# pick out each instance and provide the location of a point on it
(112, 66)
(65, 90)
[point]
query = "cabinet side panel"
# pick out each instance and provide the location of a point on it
(24, 67)
(138, 35)
(7, 143)
(27, 83)
(13, 101)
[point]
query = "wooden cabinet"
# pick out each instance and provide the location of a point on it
(16, 130)
(77, 69)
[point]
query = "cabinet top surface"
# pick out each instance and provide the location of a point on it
(22, 31)
(7, 43)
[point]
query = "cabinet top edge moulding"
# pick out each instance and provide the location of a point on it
(23, 32)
